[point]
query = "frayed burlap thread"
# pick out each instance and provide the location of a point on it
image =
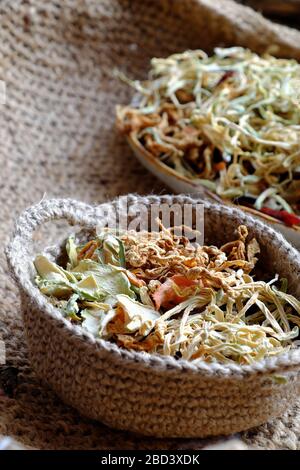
(152, 394)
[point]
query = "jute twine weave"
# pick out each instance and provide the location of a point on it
(152, 394)
(57, 137)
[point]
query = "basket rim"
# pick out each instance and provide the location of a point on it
(52, 209)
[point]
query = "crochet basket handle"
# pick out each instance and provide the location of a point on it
(18, 250)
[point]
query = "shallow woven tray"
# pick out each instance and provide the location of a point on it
(151, 394)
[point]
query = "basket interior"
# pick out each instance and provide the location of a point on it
(276, 256)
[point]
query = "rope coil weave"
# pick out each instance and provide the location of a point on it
(152, 394)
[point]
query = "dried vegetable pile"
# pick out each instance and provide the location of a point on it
(157, 292)
(230, 122)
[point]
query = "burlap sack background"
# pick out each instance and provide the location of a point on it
(57, 138)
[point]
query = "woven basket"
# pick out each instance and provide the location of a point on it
(152, 394)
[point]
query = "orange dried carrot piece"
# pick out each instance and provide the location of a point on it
(167, 294)
(134, 280)
(220, 166)
(88, 250)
